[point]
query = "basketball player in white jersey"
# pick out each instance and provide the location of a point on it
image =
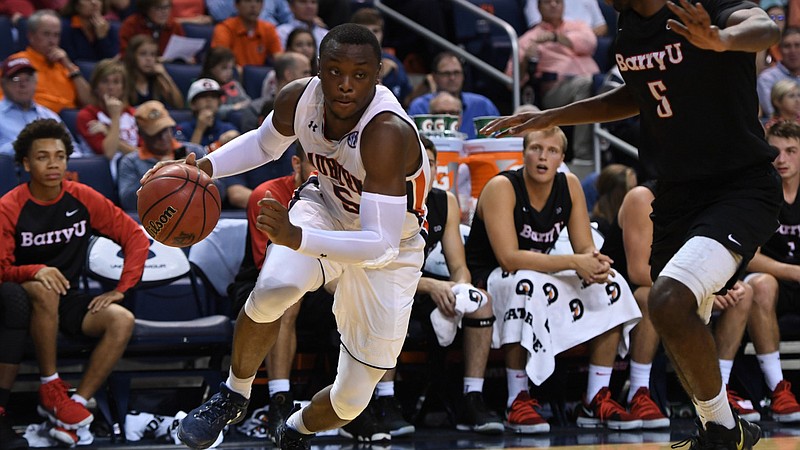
(359, 221)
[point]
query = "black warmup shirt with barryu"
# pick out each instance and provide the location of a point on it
(537, 231)
(699, 108)
(784, 246)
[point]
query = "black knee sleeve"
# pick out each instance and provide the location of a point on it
(485, 322)
(15, 307)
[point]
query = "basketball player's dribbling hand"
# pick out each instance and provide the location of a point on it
(191, 159)
(273, 219)
(695, 26)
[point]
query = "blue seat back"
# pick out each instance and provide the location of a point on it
(183, 75)
(94, 171)
(9, 174)
(253, 78)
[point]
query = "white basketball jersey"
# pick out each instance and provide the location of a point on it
(341, 170)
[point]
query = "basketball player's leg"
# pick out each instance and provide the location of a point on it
(259, 322)
(338, 404)
(685, 286)
(256, 331)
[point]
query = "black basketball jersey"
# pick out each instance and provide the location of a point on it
(699, 108)
(614, 244)
(784, 245)
(436, 217)
(536, 230)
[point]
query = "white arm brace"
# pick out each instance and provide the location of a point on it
(250, 150)
(374, 246)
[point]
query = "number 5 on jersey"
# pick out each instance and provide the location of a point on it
(658, 89)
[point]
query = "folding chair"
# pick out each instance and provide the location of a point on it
(163, 333)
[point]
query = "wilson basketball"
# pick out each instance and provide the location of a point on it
(179, 205)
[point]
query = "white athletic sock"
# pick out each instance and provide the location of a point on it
(241, 386)
(472, 384)
(384, 389)
(716, 410)
(640, 377)
(725, 366)
(771, 368)
(278, 385)
(295, 421)
(46, 380)
(79, 399)
(599, 377)
(517, 381)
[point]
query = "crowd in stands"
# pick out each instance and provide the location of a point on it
(92, 81)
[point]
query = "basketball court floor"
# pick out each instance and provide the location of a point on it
(776, 437)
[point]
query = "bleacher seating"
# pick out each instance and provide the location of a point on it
(22, 33)
(87, 67)
(8, 38)
(9, 175)
(94, 171)
(166, 330)
(181, 115)
(252, 79)
(202, 31)
(183, 75)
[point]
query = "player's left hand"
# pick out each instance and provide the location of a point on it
(731, 298)
(103, 300)
(273, 219)
(695, 26)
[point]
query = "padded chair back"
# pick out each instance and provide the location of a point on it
(87, 67)
(165, 273)
(9, 174)
(201, 31)
(183, 75)
(94, 171)
(253, 78)
(8, 37)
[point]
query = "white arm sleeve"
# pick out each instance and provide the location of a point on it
(374, 246)
(250, 150)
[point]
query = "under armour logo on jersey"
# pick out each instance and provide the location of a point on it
(352, 139)
(312, 126)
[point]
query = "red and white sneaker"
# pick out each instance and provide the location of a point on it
(64, 436)
(644, 408)
(743, 407)
(605, 411)
(523, 417)
(55, 404)
(784, 405)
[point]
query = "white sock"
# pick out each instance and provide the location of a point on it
(384, 389)
(640, 378)
(472, 384)
(79, 399)
(278, 385)
(46, 380)
(725, 366)
(716, 410)
(241, 386)
(599, 377)
(295, 421)
(770, 364)
(517, 381)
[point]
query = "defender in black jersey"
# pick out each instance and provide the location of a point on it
(689, 72)
(45, 226)
(776, 277)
